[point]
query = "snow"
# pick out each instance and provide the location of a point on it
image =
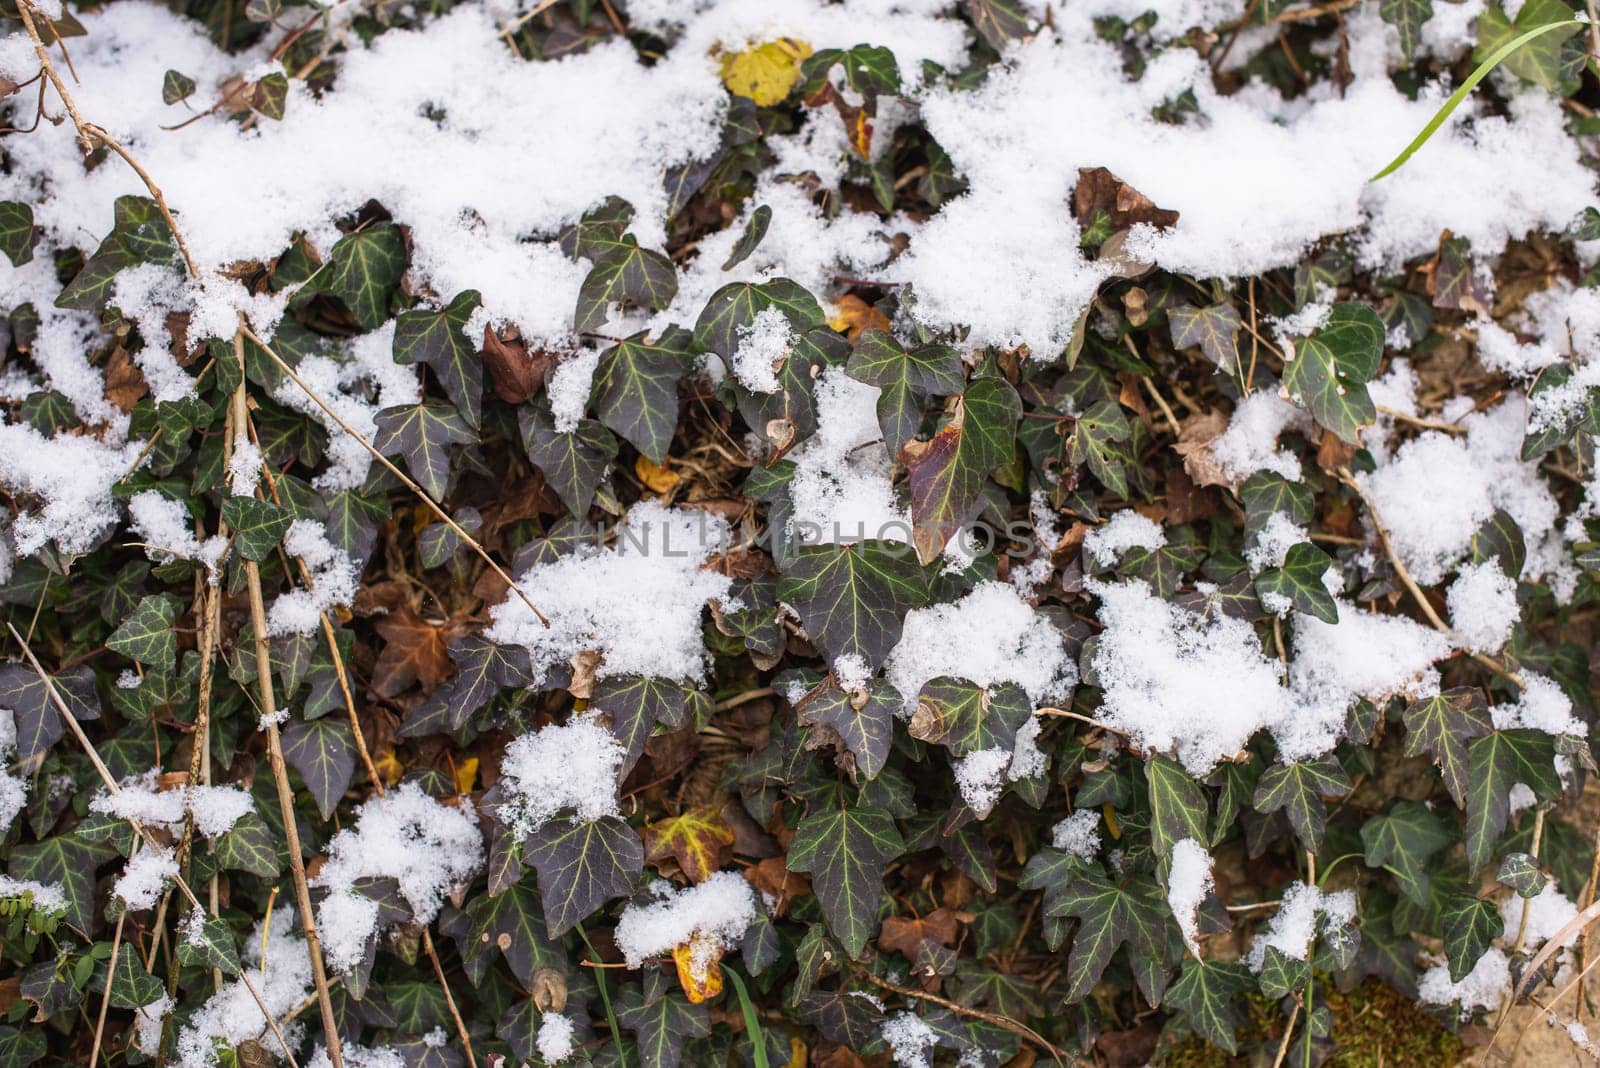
(1303, 913)
(561, 766)
(244, 469)
(148, 1023)
(215, 809)
(276, 963)
(1123, 531)
(47, 897)
(990, 636)
(842, 488)
(1547, 914)
(638, 602)
(1250, 444)
(1483, 606)
(709, 917)
(429, 848)
(1541, 706)
(333, 581)
(909, 1039)
(555, 1040)
(1078, 834)
(144, 877)
(13, 787)
(1485, 987)
(980, 776)
(763, 346)
(70, 477)
(1188, 883)
(167, 531)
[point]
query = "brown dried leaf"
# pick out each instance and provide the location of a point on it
(1194, 445)
(125, 385)
(515, 374)
(1099, 190)
(414, 650)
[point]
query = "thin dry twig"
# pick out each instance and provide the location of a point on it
(111, 971)
(1060, 1055)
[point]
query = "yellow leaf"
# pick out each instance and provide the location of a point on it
(797, 1053)
(1111, 820)
(657, 478)
(852, 316)
(389, 769)
(766, 72)
(699, 970)
(466, 775)
(695, 840)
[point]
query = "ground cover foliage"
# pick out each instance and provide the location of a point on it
(822, 596)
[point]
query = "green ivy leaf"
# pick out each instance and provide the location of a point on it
(754, 231)
(176, 86)
(599, 231)
(1521, 872)
(1264, 494)
(1408, 17)
(1330, 369)
(965, 717)
(1500, 539)
(422, 434)
(1470, 926)
(581, 866)
(438, 338)
(1543, 60)
(865, 721)
(662, 1020)
(853, 599)
(1442, 726)
(1281, 973)
(1109, 914)
(362, 271)
(868, 70)
(1214, 330)
(947, 473)
(998, 22)
(736, 305)
(512, 925)
(1496, 762)
(38, 721)
(1178, 806)
(636, 389)
(209, 944)
(636, 704)
(1299, 582)
(1402, 840)
(249, 847)
(1100, 440)
(1298, 789)
(147, 635)
(1208, 992)
(846, 851)
(66, 862)
(258, 526)
(16, 231)
(628, 275)
(572, 463)
(19, 1049)
(322, 752)
(906, 381)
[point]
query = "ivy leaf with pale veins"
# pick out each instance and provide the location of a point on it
(1208, 992)
(865, 721)
(1298, 789)
(573, 463)
(483, 669)
(998, 22)
(147, 635)
(965, 717)
(1214, 330)
(754, 231)
(1442, 726)
(438, 338)
(905, 379)
(624, 274)
(1331, 368)
(64, 861)
(1520, 871)
(636, 389)
(512, 924)
(1496, 762)
(846, 851)
(16, 231)
(1402, 840)
(1407, 17)
(581, 866)
(853, 599)
(598, 231)
(363, 269)
(1108, 915)
(636, 704)
(1098, 441)
(422, 434)
(947, 472)
(258, 526)
(250, 846)
(211, 946)
(1470, 926)
(737, 304)
(1266, 493)
(38, 720)
(1178, 806)
(176, 86)
(320, 750)
(1299, 582)
(696, 840)
(1500, 539)
(662, 1021)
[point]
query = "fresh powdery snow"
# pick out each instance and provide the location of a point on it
(1078, 834)
(573, 766)
(1187, 886)
(710, 918)
(1304, 913)
(428, 847)
(638, 602)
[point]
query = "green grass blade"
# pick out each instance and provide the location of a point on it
(752, 1023)
(1494, 60)
(605, 998)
